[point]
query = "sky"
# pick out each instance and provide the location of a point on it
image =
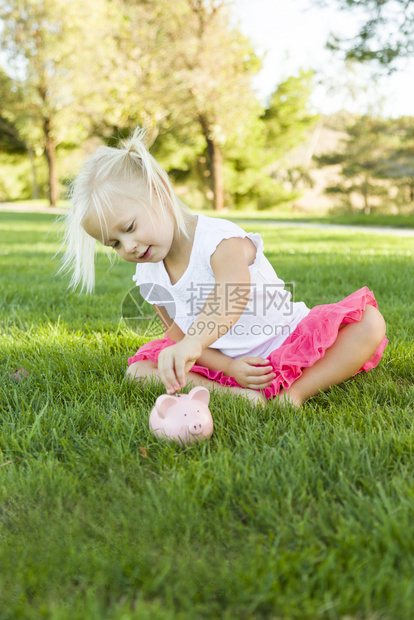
(292, 34)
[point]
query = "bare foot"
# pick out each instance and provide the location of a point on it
(287, 398)
(255, 397)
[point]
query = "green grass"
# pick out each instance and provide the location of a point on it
(281, 515)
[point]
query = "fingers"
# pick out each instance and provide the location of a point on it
(258, 364)
(173, 367)
(256, 361)
(258, 383)
(171, 382)
(175, 361)
(171, 370)
(258, 371)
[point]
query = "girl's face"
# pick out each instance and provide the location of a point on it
(137, 233)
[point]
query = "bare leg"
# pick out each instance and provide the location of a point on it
(146, 369)
(355, 344)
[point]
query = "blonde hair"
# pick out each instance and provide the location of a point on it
(107, 174)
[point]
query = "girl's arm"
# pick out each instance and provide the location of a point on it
(230, 264)
(250, 372)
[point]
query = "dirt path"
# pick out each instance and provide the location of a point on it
(28, 208)
(377, 230)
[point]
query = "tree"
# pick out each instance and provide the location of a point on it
(259, 167)
(398, 163)
(249, 155)
(196, 77)
(361, 161)
(55, 51)
(215, 68)
(387, 32)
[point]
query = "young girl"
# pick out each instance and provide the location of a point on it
(230, 323)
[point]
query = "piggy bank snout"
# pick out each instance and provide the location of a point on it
(198, 425)
(196, 429)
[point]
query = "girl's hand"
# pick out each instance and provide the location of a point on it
(255, 373)
(175, 361)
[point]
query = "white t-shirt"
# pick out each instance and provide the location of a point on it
(269, 317)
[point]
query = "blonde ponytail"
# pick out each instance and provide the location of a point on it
(105, 176)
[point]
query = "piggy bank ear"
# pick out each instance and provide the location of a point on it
(200, 393)
(163, 403)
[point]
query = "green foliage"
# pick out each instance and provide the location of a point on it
(283, 125)
(214, 87)
(16, 174)
(10, 97)
(47, 46)
(386, 31)
(10, 141)
(282, 514)
(288, 115)
(376, 157)
(14, 177)
(398, 162)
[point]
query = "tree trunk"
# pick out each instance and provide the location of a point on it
(367, 207)
(215, 161)
(35, 193)
(50, 152)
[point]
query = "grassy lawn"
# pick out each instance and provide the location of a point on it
(281, 515)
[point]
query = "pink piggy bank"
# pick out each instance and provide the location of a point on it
(184, 417)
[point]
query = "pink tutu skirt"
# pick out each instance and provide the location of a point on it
(305, 345)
